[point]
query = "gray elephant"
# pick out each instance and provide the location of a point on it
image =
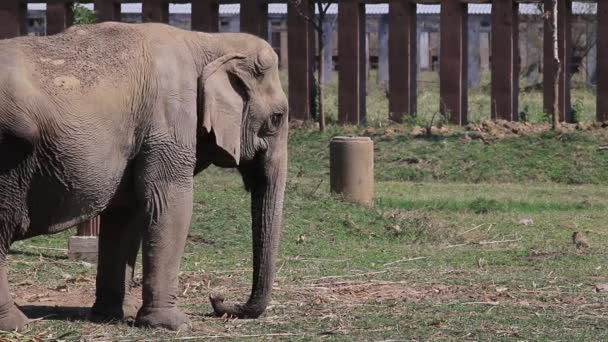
(116, 119)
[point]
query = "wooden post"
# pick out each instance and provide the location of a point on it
(602, 61)
(505, 60)
(453, 61)
(254, 17)
(205, 15)
(402, 59)
(300, 65)
(12, 17)
(351, 63)
(59, 16)
(107, 10)
(155, 11)
(565, 55)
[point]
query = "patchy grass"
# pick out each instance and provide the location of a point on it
(442, 255)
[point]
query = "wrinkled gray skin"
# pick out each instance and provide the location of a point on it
(115, 119)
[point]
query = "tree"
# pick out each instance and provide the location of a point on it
(317, 23)
(558, 66)
(83, 15)
(553, 26)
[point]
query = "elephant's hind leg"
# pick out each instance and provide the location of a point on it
(119, 241)
(11, 318)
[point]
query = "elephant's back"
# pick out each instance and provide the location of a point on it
(83, 56)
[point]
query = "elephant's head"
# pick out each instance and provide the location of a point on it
(243, 114)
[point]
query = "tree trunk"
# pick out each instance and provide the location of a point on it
(558, 68)
(320, 65)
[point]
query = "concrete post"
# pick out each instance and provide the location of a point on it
(205, 15)
(328, 50)
(352, 168)
(59, 16)
(505, 60)
(564, 37)
(453, 85)
(591, 59)
(383, 51)
(85, 244)
(12, 17)
(474, 61)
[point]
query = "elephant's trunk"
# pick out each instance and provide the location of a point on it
(267, 184)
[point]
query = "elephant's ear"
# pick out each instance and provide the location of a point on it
(220, 103)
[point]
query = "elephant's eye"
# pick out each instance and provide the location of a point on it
(276, 119)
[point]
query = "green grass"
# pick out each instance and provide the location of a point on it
(583, 99)
(440, 256)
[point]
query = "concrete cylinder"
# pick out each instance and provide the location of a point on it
(352, 168)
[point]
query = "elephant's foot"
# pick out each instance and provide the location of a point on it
(169, 318)
(13, 320)
(106, 313)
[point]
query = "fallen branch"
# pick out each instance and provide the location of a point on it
(472, 229)
(317, 259)
(495, 242)
(47, 248)
(483, 243)
(404, 260)
(347, 276)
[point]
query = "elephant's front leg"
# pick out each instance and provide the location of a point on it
(119, 240)
(11, 318)
(169, 206)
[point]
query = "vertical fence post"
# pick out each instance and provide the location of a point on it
(402, 59)
(59, 16)
(107, 10)
(351, 63)
(155, 11)
(300, 62)
(453, 61)
(565, 55)
(205, 15)
(602, 60)
(505, 60)
(254, 17)
(12, 17)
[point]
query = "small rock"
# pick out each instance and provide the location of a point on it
(417, 131)
(601, 288)
(579, 240)
(526, 222)
(296, 124)
(369, 131)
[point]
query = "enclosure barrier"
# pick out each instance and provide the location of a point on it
(351, 168)
(402, 50)
(401, 57)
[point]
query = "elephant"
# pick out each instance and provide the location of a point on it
(115, 119)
